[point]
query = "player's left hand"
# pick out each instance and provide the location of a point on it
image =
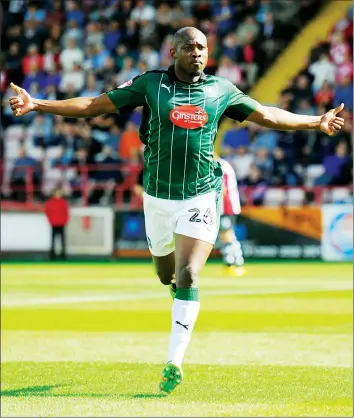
(330, 123)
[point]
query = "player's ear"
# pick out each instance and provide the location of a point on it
(173, 53)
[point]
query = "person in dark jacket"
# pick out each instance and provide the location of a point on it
(57, 213)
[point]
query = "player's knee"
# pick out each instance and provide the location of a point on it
(165, 277)
(188, 277)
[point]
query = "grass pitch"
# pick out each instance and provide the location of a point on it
(91, 340)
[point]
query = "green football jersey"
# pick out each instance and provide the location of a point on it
(178, 129)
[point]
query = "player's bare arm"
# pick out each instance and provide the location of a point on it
(279, 119)
(77, 107)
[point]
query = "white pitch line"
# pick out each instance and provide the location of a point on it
(157, 295)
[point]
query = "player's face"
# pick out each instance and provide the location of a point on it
(191, 54)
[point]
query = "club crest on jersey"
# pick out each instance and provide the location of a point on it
(126, 84)
(210, 91)
(188, 116)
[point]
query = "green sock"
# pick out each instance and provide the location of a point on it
(188, 294)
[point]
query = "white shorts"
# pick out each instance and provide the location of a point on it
(197, 218)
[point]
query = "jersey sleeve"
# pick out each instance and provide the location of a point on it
(130, 94)
(240, 106)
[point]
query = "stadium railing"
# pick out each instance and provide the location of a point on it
(82, 183)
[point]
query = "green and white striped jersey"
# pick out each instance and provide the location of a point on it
(178, 129)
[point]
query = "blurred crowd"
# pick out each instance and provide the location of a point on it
(262, 157)
(58, 49)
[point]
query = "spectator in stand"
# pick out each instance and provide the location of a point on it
(269, 35)
(164, 17)
(109, 158)
(232, 47)
(259, 184)
(165, 55)
(108, 175)
(344, 93)
(322, 70)
(53, 78)
(73, 31)
(131, 37)
(34, 13)
(55, 33)
(325, 95)
(263, 161)
(71, 55)
(147, 33)
(50, 56)
(143, 12)
(31, 60)
(114, 137)
(127, 72)
(304, 107)
(81, 163)
(283, 173)
(248, 60)
(333, 165)
(223, 13)
(265, 138)
(73, 12)
(339, 48)
(249, 25)
(41, 130)
(56, 210)
(74, 78)
(129, 142)
(113, 36)
(32, 34)
(34, 76)
(55, 15)
(302, 91)
(150, 56)
(25, 169)
(229, 69)
(92, 88)
(345, 69)
(241, 162)
(13, 63)
(263, 10)
(94, 34)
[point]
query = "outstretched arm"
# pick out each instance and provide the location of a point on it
(279, 119)
(77, 107)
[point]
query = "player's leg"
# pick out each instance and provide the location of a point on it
(165, 269)
(191, 256)
(160, 237)
(195, 234)
(231, 249)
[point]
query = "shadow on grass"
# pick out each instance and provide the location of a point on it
(149, 395)
(29, 391)
(45, 391)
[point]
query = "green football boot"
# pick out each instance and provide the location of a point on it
(172, 376)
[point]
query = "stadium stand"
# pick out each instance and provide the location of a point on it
(60, 49)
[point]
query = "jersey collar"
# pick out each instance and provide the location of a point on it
(172, 75)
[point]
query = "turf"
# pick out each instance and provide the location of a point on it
(91, 340)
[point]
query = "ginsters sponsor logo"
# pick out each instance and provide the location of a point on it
(189, 116)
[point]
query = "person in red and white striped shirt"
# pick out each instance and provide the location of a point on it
(230, 246)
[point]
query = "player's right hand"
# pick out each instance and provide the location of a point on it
(22, 103)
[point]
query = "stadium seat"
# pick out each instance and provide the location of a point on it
(274, 197)
(313, 172)
(296, 196)
(340, 195)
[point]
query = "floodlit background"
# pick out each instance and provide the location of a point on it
(87, 335)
